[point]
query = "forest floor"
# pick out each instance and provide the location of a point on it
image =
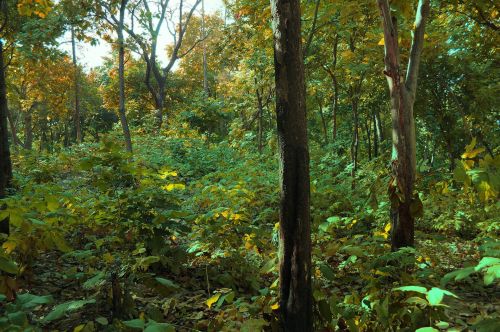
(184, 238)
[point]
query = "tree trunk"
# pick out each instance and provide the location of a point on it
(368, 138)
(5, 162)
(323, 121)
(335, 98)
(295, 221)
(28, 129)
(380, 130)
(76, 115)
(121, 77)
(355, 137)
(375, 136)
(402, 93)
(15, 140)
(260, 120)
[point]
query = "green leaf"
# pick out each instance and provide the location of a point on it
(457, 275)
(102, 320)
(427, 329)
(442, 325)
(167, 283)
(98, 280)
(28, 301)
(488, 325)
(487, 261)
(418, 289)
(134, 324)
(8, 265)
(435, 295)
(327, 272)
(63, 308)
(159, 327)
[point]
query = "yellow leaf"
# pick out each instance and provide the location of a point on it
(213, 299)
(387, 227)
(275, 306)
(9, 246)
(473, 153)
(79, 328)
(108, 258)
(173, 186)
(381, 42)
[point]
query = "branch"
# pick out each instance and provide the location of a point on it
(417, 46)
(313, 29)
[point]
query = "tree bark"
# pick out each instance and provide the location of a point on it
(121, 77)
(15, 140)
(5, 162)
(323, 121)
(355, 136)
(295, 222)
(375, 136)
(28, 129)
(76, 115)
(402, 93)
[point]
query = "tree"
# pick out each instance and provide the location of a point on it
(151, 24)
(295, 222)
(402, 92)
(119, 25)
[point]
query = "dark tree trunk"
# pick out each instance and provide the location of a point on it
(402, 93)
(77, 114)
(5, 163)
(295, 221)
(121, 74)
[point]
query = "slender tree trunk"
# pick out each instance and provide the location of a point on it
(5, 162)
(402, 93)
(375, 136)
(380, 130)
(295, 221)
(323, 121)
(260, 120)
(355, 137)
(28, 129)
(121, 74)
(335, 98)
(15, 140)
(368, 138)
(77, 114)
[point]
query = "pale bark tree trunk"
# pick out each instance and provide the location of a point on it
(295, 221)
(402, 93)
(77, 114)
(355, 136)
(375, 136)
(121, 77)
(5, 162)
(260, 119)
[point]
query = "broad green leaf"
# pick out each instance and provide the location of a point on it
(159, 327)
(134, 324)
(442, 325)
(8, 265)
(167, 283)
(98, 280)
(487, 261)
(67, 307)
(427, 329)
(418, 289)
(102, 320)
(327, 272)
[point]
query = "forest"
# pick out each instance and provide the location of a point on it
(250, 165)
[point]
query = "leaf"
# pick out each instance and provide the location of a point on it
(8, 265)
(134, 324)
(418, 289)
(381, 42)
(269, 266)
(435, 295)
(98, 280)
(327, 272)
(213, 299)
(167, 283)
(488, 325)
(442, 325)
(487, 261)
(63, 308)
(427, 329)
(102, 320)
(457, 275)
(159, 327)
